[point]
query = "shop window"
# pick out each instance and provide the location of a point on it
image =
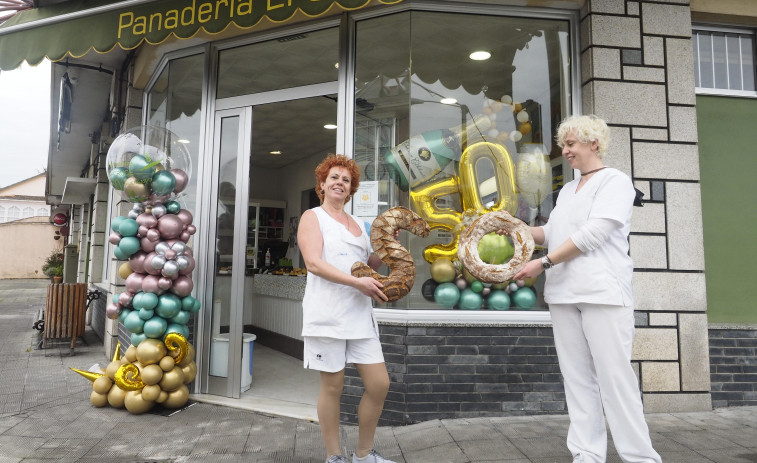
(287, 62)
(427, 108)
(724, 61)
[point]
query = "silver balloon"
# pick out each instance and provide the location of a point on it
(158, 262)
(162, 247)
(182, 262)
(132, 214)
(159, 211)
(179, 247)
(170, 269)
(139, 207)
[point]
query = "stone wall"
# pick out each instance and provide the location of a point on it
(637, 74)
(733, 366)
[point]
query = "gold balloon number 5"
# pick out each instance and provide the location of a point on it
(468, 186)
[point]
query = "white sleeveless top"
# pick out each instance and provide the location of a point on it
(334, 310)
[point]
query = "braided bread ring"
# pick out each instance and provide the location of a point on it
(467, 249)
(401, 266)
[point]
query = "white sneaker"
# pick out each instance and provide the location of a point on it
(372, 457)
(336, 459)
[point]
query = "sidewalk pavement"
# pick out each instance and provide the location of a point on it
(46, 416)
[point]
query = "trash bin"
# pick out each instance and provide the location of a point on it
(219, 354)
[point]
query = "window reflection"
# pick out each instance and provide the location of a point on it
(451, 134)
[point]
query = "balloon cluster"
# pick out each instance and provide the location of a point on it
(453, 287)
(153, 238)
(148, 374)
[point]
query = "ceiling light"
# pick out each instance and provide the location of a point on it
(480, 55)
(182, 140)
(448, 101)
(330, 126)
(276, 153)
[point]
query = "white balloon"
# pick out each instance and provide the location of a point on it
(522, 116)
(515, 136)
(506, 99)
(533, 177)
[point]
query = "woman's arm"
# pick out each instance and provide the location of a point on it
(311, 246)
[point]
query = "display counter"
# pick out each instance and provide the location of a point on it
(277, 304)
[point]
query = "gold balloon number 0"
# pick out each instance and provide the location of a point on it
(467, 185)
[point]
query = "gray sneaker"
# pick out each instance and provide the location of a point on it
(372, 457)
(336, 459)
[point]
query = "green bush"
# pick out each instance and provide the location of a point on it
(53, 266)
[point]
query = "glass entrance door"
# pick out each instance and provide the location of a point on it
(232, 148)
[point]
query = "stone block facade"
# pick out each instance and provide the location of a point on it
(641, 82)
(733, 366)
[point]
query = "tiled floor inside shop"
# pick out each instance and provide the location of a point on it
(280, 385)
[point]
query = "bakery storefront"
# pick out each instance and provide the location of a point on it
(449, 108)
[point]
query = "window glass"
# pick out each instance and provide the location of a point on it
(294, 61)
(2, 215)
(452, 135)
(14, 213)
(747, 63)
(27, 212)
(724, 60)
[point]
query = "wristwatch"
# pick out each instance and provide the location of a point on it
(546, 263)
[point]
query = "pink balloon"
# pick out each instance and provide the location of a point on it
(185, 236)
(170, 254)
(191, 229)
(112, 311)
(181, 180)
(185, 216)
(150, 285)
(165, 283)
(147, 245)
(148, 220)
(114, 238)
(153, 234)
(189, 252)
(141, 231)
(137, 262)
(125, 298)
(170, 226)
(190, 267)
(182, 286)
(134, 282)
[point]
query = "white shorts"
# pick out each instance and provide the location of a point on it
(332, 355)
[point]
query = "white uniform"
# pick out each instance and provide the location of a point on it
(591, 303)
(334, 310)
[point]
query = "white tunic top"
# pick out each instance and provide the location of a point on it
(334, 310)
(602, 275)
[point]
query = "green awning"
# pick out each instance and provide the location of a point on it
(74, 28)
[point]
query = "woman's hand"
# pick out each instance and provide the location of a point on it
(531, 269)
(371, 288)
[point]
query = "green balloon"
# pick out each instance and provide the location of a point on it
(128, 227)
(146, 314)
(498, 300)
(470, 300)
(169, 305)
(115, 222)
(173, 207)
(477, 286)
(128, 245)
(163, 182)
(176, 328)
(147, 301)
(141, 168)
(133, 323)
(182, 318)
(447, 295)
(187, 303)
(136, 338)
(118, 176)
(197, 306)
(123, 314)
(119, 254)
(524, 298)
(155, 327)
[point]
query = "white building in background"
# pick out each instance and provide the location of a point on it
(24, 199)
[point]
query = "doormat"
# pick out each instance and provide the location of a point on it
(163, 411)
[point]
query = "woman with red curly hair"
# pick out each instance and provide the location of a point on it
(338, 323)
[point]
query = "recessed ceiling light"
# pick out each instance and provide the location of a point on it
(448, 101)
(330, 126)
(276, 153)
(182, 140)
(336, 65)
(480, 55)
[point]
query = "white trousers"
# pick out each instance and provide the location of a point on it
(594, 350)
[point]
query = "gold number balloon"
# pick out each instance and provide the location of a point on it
(128, 378)
(467, 186)
(177, 345)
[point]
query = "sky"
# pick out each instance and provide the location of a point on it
(24, 122)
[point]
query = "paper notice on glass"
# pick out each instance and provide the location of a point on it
(365, 200)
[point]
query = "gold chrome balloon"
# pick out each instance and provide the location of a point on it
(167, 363)
(172, 380)
(504, 177)
(116, 397)
(128, 378)
(131, 353)
(177, 398)
(150, 351)
(102, 385)
(98, 400)
(190, 371)
(423, 200)
(189, 358)
(124, 270)
(136, 404)
(177, 346)
(87, 374)
(151, 392)
(151, 374)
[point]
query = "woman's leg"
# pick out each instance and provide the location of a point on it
(329, 399)
(376, 384)
(609, 330)
(587, 435)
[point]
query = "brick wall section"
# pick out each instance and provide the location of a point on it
(457, 372)
(733, 367)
